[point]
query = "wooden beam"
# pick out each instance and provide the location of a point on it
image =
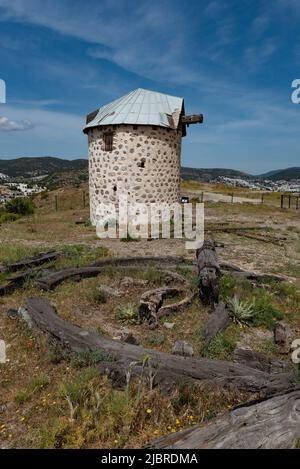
(193, 119)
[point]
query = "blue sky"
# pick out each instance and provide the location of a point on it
(232, 60)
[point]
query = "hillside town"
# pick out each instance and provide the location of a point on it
(11, 190)
(292, 186)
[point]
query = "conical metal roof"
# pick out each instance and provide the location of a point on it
(139, 107)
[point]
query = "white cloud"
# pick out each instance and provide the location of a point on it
(7, 125)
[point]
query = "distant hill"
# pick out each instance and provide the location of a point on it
(32, 167)
(207, 174)
(48, 165)
(282, 174)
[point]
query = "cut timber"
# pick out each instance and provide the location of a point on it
(152, 300)
(53, 280)
(176, 307)
(259, 361)
(254, 276)
(17, 281)
(218, 321)
(169, 369)
(270, 424)
(192, 119)
(33, 261)
(208, 272)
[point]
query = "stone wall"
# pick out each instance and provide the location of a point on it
(144, 164)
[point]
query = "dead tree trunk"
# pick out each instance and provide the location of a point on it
(168, 368)
(209, 273)
(53, 280)
(271, 423)
(218, 321)
(33, 261)
(260, 361)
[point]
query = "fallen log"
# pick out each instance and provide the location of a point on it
(261, 277)
(39, 259)
(260, 361)
(176, 307)
(218, 321)
(53, 280)
(208, 272)
(151, 301)
(273, 423)
(124, 261)
(17, 281)
(76, 273)
(41, 316)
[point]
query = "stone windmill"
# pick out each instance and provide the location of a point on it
(135, 148)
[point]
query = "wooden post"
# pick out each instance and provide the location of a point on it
(262, 198)
(282, 200)
(202, 197)
(289, 201)
(232, 198)
(297, 203)
(56, 203)
(83, 196)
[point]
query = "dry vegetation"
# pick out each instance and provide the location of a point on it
(51, 399)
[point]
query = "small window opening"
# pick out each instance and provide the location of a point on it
(115, 188)
(134, 127)
(108, 141)
(141, 163)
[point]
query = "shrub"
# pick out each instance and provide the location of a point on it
(241, 311)
(220, 348)
(227, 286)
(127, 314)
(155, 338)
(265, 314)
(20, 205)
(100, 297)
(86, 358)
(9, 217)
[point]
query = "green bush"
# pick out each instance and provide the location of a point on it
(7, 217)
(20, 205)
(220, 348)
(127, 314)
(265, 314)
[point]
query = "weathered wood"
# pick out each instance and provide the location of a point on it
(273, 423)
(176, 307)
(17, 281)
(53, 280)
(209, 273)
(218, 321)
(39, 259)
(283, 337)
(77, 273)
(253, 276)
(192, 119)
(259, 361)
(155, 260)
(151, 301)
(41, 316)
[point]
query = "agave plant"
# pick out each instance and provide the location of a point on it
(240, 311)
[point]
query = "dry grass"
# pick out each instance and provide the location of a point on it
(40, 385)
